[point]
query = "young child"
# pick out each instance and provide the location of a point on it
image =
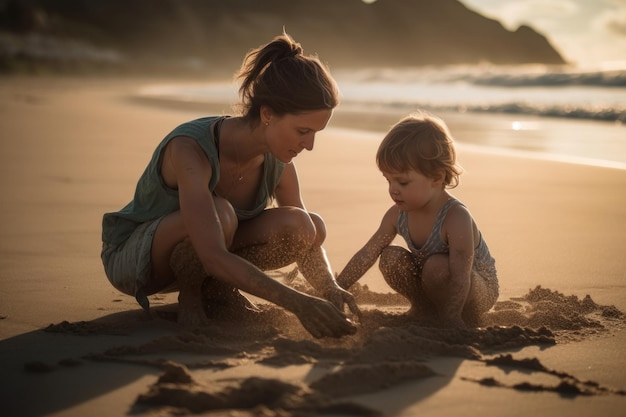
(448, 274)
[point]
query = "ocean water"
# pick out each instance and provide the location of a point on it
(562, 114)
(540, 91)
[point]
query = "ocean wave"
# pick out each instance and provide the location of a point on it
(40, 47)
(501, 76)
(571, 112)
(405, 92)
(608, 79)
(576, 112)
(539, 91)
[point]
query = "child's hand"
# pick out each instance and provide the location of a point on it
(340, 297)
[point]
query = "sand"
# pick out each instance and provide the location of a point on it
(71, 345)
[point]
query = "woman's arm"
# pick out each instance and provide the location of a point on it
(192, 172)
(363, 260)
(288, 188)
(314, 266)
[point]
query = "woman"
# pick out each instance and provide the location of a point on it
(200, 218)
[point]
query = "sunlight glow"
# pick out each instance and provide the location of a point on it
(519, 125)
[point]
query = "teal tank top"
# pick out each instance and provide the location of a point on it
(154, 199)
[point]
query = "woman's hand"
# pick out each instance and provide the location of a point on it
(321, 318)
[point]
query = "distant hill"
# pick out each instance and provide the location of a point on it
(213, 35)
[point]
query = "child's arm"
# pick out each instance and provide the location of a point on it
(460, 231)
(363, 260)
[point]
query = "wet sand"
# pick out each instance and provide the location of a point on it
(71, 345)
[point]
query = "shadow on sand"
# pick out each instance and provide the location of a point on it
(240, 363)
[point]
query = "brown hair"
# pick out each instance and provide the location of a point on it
(423, 143)
(280, 76)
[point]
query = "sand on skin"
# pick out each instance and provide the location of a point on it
(73, 149)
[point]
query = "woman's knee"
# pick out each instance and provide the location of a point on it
(228, 219)
(171, 230)
(297, 227)
(320, 228)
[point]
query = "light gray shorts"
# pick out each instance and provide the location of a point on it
(128, 266)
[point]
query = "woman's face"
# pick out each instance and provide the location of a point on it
(288, 135)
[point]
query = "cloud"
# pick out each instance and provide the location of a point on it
(586, 32)
(613, 21)
(536, 11)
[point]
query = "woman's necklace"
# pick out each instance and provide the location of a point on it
(238, 177)
(237, 173)
(241, 173)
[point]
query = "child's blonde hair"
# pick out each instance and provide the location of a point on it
(420, 142)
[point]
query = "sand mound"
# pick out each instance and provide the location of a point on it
(389, 349)
(569, 317)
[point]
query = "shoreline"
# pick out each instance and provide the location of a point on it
(75, 149)
(484, 170)
(514, 135)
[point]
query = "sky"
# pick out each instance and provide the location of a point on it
(588, 33)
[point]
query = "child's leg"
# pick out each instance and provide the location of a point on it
(480, 299)
(448, 297)
(401, 272)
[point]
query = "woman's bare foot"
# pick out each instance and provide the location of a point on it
(221, 300)
(190, 309)
(190, 276)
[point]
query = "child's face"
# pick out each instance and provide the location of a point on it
(411, 190)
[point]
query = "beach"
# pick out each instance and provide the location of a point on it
(71, 345)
